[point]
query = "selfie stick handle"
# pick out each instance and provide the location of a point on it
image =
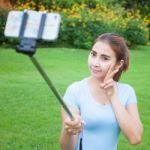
(51, 86)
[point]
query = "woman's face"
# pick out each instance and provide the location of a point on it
(100, 59)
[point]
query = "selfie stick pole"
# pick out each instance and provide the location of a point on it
(51, 86)
(27, 47)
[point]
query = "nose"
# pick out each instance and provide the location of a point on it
(96, 62)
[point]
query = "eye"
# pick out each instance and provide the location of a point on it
(93, 53)
(105, 58)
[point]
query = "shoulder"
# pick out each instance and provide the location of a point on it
(77, 86)
(73, 93)
(126, 93)
(124, 87)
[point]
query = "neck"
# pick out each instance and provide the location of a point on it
(95, 81)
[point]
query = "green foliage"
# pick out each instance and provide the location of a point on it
(142, 5)
(3, 16)
(69, 3)
(136, 34)
(81, 25)
(84, 20)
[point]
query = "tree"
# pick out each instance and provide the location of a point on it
(142, 5)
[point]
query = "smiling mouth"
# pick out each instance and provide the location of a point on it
(96, 71)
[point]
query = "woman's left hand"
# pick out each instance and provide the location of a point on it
(109, 85)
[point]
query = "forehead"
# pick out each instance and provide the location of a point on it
(103, 48)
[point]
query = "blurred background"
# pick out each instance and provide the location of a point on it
(29, 113)
(84, 20)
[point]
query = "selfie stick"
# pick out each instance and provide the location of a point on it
(27, 46)
(51, 85)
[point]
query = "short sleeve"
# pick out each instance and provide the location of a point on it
(70, 97)
(131, 96)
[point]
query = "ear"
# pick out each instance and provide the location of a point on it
(119, 64)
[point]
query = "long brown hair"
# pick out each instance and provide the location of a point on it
(119, 46)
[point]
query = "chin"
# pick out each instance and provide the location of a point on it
(96, 76)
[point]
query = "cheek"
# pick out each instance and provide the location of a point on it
(109, 64)
(105, 67)
(105, 64)
(89, 61)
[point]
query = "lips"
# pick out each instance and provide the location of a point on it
(95, 70)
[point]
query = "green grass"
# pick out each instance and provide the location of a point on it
(29, 112)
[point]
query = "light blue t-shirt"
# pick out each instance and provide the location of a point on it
(102, 129)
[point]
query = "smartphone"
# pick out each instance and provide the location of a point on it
(33, 24)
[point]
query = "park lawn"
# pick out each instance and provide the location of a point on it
(29, 112)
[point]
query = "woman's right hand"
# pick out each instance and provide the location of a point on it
(75, 126)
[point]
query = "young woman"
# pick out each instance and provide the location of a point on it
(101, 106)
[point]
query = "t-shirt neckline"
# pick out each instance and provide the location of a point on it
(91, 96)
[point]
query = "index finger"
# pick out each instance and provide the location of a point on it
(72, 122)
(75, 121)
(113, 73)
(108, 73)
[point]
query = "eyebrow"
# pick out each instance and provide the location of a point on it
(93, 51)
(103, 55)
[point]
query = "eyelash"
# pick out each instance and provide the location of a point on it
(105, 58)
